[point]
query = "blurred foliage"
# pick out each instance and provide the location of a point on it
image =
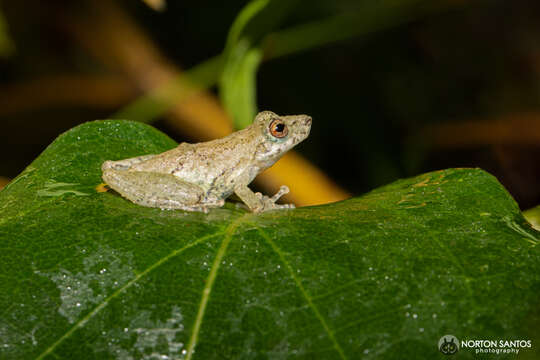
(158, 5)
(238, 81)
(3, 182)
(384, 80)
(6, 45)
(533, 217)
(245, 48)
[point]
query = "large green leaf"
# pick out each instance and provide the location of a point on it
(88, 275)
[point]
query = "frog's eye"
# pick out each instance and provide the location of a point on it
(278, 128)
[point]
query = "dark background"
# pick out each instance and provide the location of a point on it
(454, 87)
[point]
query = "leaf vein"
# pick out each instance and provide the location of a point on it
(305, 294)
(229, 231)
(104, 303)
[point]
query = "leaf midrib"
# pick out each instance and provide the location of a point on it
(229, 232)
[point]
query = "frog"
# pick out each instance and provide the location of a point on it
(201, 176)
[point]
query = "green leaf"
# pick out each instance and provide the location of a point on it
(239, 84)
(242, 20)
(238, 80)
(243, 54)
(89, 275)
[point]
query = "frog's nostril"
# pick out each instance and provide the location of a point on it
(307, 121)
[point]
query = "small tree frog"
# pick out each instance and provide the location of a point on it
(196, 177)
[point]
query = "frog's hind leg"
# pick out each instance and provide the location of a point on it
(126, 163)
(164, 191)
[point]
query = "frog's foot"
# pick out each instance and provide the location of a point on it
(206, 206)
(170, 204)
(269, 203)
(174, 205)
(282, 191)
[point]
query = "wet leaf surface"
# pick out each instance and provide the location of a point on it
(86, 274)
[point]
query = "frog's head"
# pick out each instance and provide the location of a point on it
(280, 133)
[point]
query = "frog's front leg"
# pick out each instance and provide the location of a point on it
(258, 202)
(164, 191)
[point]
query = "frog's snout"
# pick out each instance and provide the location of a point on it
(307, 121)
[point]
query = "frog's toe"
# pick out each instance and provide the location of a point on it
(285, 206)
(270, 205)
(282, 191)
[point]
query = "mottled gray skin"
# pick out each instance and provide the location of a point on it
(196, 177)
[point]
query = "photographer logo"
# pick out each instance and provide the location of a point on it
(448, 345)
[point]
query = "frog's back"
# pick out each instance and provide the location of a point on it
(209, 164)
